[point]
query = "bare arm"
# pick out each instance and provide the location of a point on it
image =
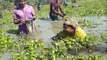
(60, 8)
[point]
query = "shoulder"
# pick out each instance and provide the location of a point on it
(29, 6)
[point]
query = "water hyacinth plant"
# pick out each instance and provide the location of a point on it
(28, 48)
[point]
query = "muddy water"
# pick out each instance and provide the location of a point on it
(50, 28)
(97, 30)
(47, 29)
(100, 28)
(6, 56)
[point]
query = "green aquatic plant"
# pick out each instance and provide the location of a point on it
(33, 49)
(5, 43)
(27, 49)
(89, 23)
(79, 44)
(104, 36)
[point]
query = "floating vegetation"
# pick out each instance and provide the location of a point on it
(33, 49)
(89, 23)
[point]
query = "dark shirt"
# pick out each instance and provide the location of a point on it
(55, 6)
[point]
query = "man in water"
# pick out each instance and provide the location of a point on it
(56, 9)
(23, 14)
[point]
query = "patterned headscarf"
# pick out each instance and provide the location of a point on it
(71, 21)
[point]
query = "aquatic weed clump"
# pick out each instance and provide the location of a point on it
(77, 44)
(70, 48)
(5, 43)
(104, 36)
(89, 23)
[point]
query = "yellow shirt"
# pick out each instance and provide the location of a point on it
(80, 33)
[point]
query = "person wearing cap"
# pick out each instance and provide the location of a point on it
(71, 29)
(56, 9)
(23, 14)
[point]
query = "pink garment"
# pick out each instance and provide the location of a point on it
(26, 15)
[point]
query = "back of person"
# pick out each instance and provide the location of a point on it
(55, 8)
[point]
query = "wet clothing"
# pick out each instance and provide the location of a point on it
(25, 15)
(55, 7)
(80, 33)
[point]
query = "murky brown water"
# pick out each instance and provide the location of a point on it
(98, 19)
(47, 29)
(50, 28)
